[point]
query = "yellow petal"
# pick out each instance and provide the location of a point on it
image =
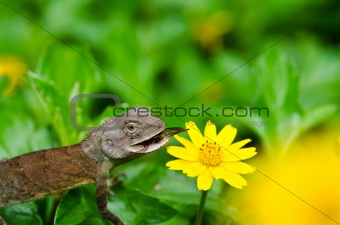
(217, 172)
(239, 144)
(183, 153)
(241, 154)
(231, 178)
(204, 181)
(194, 169)
(238, 167)
(235, 180)
(210, 131)
(194, 134)
(178, 164)
(187, 144)
(226, 136)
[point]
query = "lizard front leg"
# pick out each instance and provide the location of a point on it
(115, 180)
(101, 197)
(2, 221)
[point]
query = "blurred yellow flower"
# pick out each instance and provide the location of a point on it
(212, 156)
(14, 69)
(209, 31)
(306, 187)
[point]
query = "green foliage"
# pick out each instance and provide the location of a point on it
(136, 208)
(21, 214)
(176, 190)
(32, 139)
(279, 89)
(131, 206)
(57, 81)
(157, 53)
(76, 206)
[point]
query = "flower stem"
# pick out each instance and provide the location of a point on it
(201, 208)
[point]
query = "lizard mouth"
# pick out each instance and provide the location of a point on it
(157, 141)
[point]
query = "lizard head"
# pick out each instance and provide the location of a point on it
(133, 134)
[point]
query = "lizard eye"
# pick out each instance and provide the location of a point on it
(131, 126)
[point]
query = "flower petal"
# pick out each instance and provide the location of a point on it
(239, 144)
(240, 154)
(194, 169)
(235, 180)
(238, 167)
(217, 172)
(183, 153)
(178, 164)
(226, 136)
(231, 178)
(210, 131)
(187, 144)
(204, 181)
(194, 134)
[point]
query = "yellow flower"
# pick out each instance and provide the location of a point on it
(212, 156)
(14, 69)
(305, 188)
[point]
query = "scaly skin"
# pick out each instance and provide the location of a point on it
(35, 175)
(38, 174)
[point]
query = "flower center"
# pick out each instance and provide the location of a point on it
(210, 154)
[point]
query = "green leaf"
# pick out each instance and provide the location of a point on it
(77, 206)
(172, 187)
(177, 220)
(63, 73)
(70, 68)
(94, 221)
(141, 170)
(56, 105)
(22, 214)
(317, 115)
(279, 92)
(182, 192)
(135, 208)
(31, 138)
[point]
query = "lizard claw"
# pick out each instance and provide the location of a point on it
(115, 180)
(2, 221)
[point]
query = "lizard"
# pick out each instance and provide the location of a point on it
(116, 141)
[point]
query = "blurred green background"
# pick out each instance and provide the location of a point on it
(157, 53)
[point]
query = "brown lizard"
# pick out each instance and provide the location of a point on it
(118, 140)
